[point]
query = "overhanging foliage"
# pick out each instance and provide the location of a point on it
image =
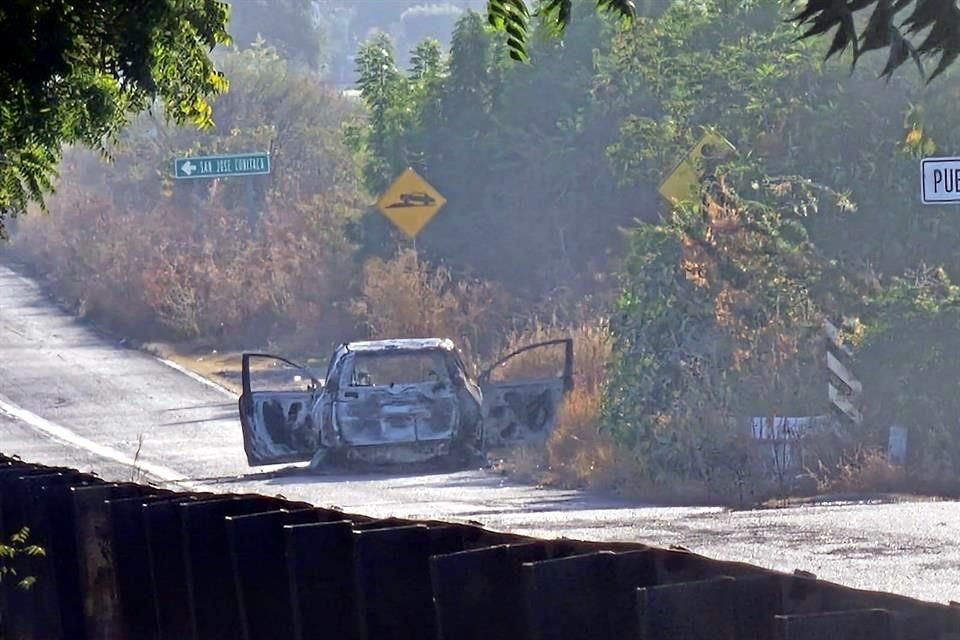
(74, 71)
(926, 28)
(908, 29)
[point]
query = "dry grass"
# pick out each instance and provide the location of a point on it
(864, 471)
(592, 349)
(577, 453)
(221, 368)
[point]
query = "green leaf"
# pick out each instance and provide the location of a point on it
(939, 18)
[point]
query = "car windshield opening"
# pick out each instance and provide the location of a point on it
(376, 369)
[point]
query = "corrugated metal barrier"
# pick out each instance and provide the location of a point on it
(132, 562)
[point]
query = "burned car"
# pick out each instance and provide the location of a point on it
(396, 401)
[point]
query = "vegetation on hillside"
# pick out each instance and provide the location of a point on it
(689, 316)
(231, 262)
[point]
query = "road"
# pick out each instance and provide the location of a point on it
(69, 395)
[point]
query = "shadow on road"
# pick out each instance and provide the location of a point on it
(219, 417)
(517, 496)
(232, 405)
(302, 475)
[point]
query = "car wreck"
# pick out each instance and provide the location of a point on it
(396, 401)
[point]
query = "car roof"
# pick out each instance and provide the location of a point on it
(401, 344)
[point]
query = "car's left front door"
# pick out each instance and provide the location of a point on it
(278, 410)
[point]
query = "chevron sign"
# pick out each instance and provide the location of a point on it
(843, 388)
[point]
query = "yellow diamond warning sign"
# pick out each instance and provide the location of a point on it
(410, 202)
(683, 183)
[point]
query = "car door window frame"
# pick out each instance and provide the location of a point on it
(485, 376)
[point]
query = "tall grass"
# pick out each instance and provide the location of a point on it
(577, 452)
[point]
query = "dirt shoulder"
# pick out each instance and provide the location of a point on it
(222, 368)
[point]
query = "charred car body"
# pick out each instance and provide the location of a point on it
(395, 401)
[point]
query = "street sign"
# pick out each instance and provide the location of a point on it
(940, 180)
(683, 182)
(410, 202)
(242, 164)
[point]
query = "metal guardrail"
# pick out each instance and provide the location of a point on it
(132, 562)
(844, 390)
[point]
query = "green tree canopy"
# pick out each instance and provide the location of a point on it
(75, 71)
(289, 26)
(917, 30)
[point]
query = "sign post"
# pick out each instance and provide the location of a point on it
(410, 202)
(243, 164)
(940, 180)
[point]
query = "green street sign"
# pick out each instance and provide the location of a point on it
(243, 164)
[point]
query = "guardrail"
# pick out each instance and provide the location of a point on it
(134, 562)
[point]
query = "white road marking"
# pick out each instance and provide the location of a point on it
(68, 437)
(199, 378)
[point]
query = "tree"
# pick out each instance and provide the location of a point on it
(715, 320)
(909, 39)
(383, 88)
(930, 28)
(290, 26)
(74, 73)
(421, 22)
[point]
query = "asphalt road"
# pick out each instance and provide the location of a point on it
(69, 395)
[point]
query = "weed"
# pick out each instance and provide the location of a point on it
(136, 473)
(864, 470)
(13, 552)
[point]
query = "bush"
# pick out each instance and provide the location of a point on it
(909, 371)
(158, 277)
(700, 339)
(577, 453)
(407, 297)
(864, 470)
(219, 263)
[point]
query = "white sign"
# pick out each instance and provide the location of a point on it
(940, 180)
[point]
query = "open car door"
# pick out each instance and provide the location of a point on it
(277, 410)
(522, 392)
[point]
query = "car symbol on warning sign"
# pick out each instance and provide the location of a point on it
(415, 199)
(410, 202)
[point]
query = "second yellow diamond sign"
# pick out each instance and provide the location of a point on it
(410, 202)
(684, 182)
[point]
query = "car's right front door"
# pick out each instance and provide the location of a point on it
(522, 393)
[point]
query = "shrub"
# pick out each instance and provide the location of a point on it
(577, 453)
(407, 297)
(12, 552)
(863, 470)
